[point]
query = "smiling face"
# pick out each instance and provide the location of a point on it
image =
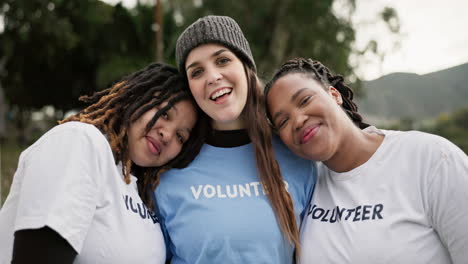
(308, 118)
(165, 139)
(218, 82)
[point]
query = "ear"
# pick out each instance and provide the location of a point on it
(335, 94)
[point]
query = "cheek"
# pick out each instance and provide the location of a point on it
(131, 137)
(175, 150)
(244, 83)
(286, 138)
(131, 141)
(196, 89)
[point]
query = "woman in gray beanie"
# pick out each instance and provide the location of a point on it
(242, 198)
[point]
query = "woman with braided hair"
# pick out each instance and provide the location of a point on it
(381, 196)
(82, 193)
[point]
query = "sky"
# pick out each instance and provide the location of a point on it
(433, 36)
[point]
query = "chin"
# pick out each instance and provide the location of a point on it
(226, 117)
(312, 156)
(145, 163)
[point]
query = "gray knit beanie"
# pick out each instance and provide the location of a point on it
(213, 29)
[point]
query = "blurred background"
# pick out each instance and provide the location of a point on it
(406, 60)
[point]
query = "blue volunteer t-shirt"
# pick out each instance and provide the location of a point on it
(216, 211)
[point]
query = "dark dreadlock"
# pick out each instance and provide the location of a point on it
(113, 110)
(323, 75)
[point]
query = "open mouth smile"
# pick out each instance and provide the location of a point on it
(220, 94)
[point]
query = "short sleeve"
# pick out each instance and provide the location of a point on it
(448, 196)
(60, 186)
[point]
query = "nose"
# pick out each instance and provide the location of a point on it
(299, 121)
(214, 76)
(166, 134)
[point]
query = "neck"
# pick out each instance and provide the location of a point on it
(236, 124)
(356, 148)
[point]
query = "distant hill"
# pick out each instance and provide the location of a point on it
(408, 95)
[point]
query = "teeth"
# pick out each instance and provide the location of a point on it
(220, 93)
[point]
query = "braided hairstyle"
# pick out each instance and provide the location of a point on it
(319, 72)
(113, 110)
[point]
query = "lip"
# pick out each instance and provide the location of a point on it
(224, 99)
(154, 146)
(308, 133)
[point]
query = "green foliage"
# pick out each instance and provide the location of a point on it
(9, 154)
(56, 50)
(453, 127)
(278, 30)
(282, 29)
(390, 16)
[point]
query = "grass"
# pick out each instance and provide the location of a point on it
(9, 154)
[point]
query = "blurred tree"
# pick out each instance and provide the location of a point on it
(53, 51)
(45, 48)
(282, 29)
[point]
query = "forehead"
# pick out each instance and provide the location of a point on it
(286, 86)
(186, 105)
(204, 51)
(185, 113)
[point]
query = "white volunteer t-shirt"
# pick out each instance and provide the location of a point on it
(68, 181)
(406, 204)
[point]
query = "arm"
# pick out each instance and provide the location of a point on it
(447, 197)
(42, 245)
(59, 189)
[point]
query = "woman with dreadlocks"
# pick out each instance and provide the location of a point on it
(381, 196)
(82, 193)
(234, 203)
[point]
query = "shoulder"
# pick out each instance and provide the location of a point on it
(70, 135)
(77, 132)
(421, 148)
(290, 162)
(77, 129)
(420, 141)
(283, 153)
(281, 150)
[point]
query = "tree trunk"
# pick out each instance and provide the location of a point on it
(158, 19)
(279, 40)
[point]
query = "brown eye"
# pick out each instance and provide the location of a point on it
(282, 123)
(222, 61)
(195, 73)
(304, 100)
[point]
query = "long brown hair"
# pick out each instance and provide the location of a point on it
(269, 172)
(113, 110)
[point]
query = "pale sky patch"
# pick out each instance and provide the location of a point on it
(432, 36)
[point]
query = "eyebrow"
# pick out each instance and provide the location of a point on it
(212, 55)
(293, 98)
(296, 94)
